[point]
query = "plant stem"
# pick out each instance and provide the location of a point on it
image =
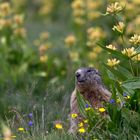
(131, 67)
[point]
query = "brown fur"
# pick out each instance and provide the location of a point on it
(92, 90)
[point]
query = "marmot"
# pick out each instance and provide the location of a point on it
(88, 83)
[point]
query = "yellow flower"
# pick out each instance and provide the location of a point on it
(21, 129)
(136, 57)
(119, 28)
(114, 8)
(85, 121)
(93, 35)
(118, 100)
(102, 110)
(18, 19)
(21, 32)
(129, 51)
(4, 23)
(135, 40)
(112, 47)
(81, 124)
(97, 49)
(93, 15)
(44, 35)
(79, 12)
(74, 115)
(79, 21)
(74, 56)
(5, 9)
(70, 40)
(88, 108)
(78, 4)
(127, 97)
(43, 58)
(43, 48)
(13, 136)
(93, 4)
(82, 130)
(113, 62)
(58, 126)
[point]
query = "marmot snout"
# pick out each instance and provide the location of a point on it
(87, 79)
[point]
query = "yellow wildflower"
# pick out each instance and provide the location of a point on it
(135, 40)
(114, 8)
(112, 47)
(58, 126)
(129, 51)
(118, 100)
(13, 136)
(93, 35)
(44, 35)
(4, 23)
(21, 129)
(43, 58)
(21, 32)
(78, 4)
(92, 55)
(81, 124)
(113, 62)
(97, 50)
(82, 130)
(136, 58)
(127, 97)
(78, 13)
(5, 9)
(119, 28)
(87, 108)
(74, 115)
(43, 48)
(18, 19)
(79, 21)
(74, 56)
(85, 121)
(93, 4)
(102, 110)
(92, 15)
(70, 40)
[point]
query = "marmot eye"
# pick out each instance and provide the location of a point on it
(89, 70)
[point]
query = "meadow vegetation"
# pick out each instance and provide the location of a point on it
(42, 43)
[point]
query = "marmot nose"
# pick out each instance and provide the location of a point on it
(77, 74)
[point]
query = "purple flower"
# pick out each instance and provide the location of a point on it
(112, 101)
(30, 123)
(124, 94)
(87, 105)
(30, 115)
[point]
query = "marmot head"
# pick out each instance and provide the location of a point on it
(87, 79)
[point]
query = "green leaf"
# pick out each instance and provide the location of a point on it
(81, 103)
(133, 83)
(132, 117)
(111, 75)
(117, 74)
(138, 50)
(23, 68)
(125, 72)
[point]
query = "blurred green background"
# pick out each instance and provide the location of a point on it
(42, 44)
